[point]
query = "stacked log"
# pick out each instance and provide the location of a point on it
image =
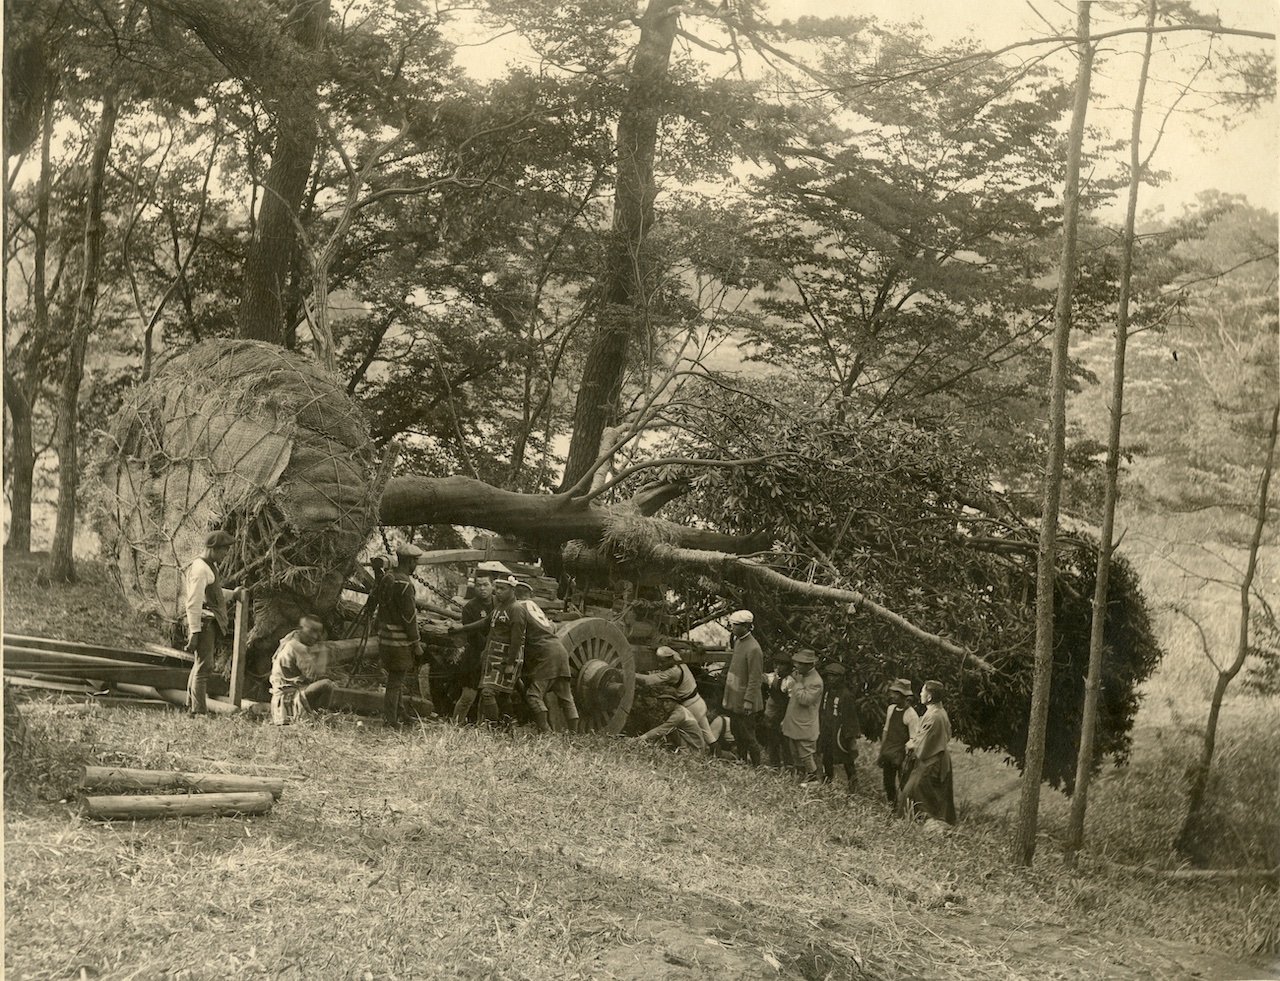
(206, 794)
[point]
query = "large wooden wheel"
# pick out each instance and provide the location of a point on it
(604, 674)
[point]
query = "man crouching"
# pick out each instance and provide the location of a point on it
(296, 688)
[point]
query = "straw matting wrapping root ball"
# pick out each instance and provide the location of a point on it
(256, 440)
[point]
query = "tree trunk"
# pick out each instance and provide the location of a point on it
(272, 251)
(61, 563)
(621, 295)
(1193, 827)
(1024, 845)
(22, 478)
(546, 521)
(1106, 543)
(20, 393)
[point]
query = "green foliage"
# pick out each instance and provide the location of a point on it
(906, 516)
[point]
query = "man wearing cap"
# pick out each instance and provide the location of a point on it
(503, 651)
(397, 616)
(838, 727)
(743, 698)
(676, 678)
(206, 602)
(546, 663)
(901, 724)
(800, 724)
(475, 622)
(679, 723)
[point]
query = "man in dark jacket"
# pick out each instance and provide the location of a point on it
(396, 610)
(476, 610)
(775, 709)
(838, 726)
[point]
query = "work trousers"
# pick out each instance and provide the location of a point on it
(744, 730)
(535, 695)
(803, 753)
(890, 771)
(198, 680)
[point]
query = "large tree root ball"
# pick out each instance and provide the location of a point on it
(253, 439)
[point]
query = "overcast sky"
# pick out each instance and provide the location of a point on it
(1244, 159)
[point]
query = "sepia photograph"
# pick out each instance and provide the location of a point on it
(641, 490)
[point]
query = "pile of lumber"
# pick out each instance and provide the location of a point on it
(202, 794)
(155, 676)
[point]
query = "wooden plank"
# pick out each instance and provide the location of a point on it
(132, 806)
(21, 680)
(87, 667)
(239, 644)
(155, 654)
(131, 778)
(446, 555)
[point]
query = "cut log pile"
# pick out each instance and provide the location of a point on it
(204, 794)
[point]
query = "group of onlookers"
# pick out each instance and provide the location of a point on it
(800, 715)
(803, 716)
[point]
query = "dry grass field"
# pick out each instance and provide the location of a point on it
(461, 853)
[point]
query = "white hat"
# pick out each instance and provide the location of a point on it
(741, 616)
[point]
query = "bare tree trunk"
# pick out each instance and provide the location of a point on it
(1024, 844)
(21, 393)
(61, 564)
(22, 478)
(621, 293)
(271, 253)
(1106, 544)
(1189, 838)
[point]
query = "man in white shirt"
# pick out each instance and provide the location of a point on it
(206, 613)
(297, 685)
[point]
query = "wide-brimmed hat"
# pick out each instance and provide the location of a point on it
(902, 686)
(805, 656)
(742, 616)
(218, 539)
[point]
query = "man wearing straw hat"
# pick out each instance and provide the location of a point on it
(397, 616)
(206, 613)
(743, 698)
(901, 724)
(675, 677)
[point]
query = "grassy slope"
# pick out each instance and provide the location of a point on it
(457, 853)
